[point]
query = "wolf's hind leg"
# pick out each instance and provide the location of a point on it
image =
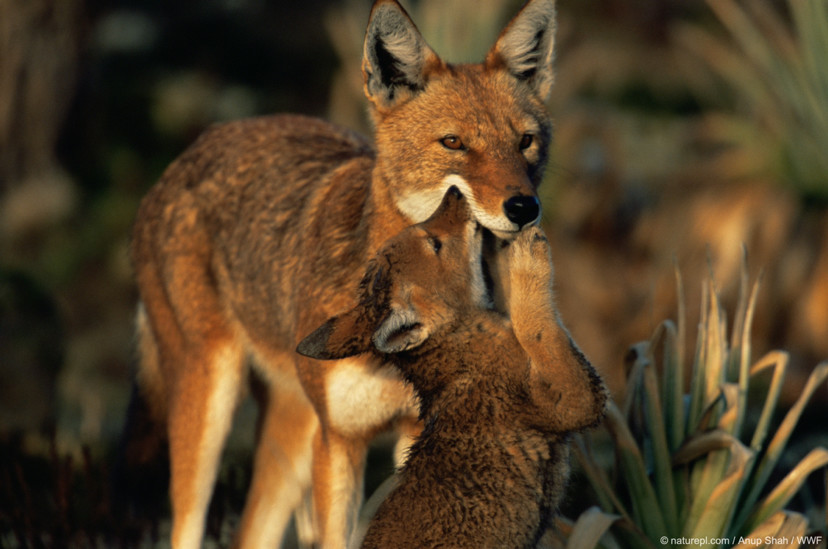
(282, 468)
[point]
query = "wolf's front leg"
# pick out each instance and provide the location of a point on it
(564, 385)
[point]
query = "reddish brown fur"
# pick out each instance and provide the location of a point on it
(498, 397)
(259, 232)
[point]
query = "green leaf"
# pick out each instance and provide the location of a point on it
(600, 483)
(719, 506)
(789, 486)
(635, 377)
(793, 528)
(663, 473)
(709, 367)
(716, 341)
(713, 495)
(730, 395)
(782, 525)
(673, 370)
(779, 361)
(744, 321)
(702, 444)
(647, 510)
(780, 439)
(756, 538)
(697, 401)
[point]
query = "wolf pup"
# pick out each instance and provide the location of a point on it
(499, 396)
(260, 231)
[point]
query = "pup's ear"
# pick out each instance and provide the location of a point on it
(526, 47)
(342, 336)
(352, 333)
(396, 59)
(400, 331)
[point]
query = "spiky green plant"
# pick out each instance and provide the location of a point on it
(686, 464)
(778, 76)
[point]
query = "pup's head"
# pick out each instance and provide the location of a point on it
(482, 128)
(420, 282)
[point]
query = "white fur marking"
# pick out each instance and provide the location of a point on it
(361, 397)
(418, 206)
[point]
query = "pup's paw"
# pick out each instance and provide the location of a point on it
(531, 301)
(530, 257)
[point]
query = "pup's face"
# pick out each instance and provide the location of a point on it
(418, 283)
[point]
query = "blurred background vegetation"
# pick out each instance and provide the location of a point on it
(685, 131)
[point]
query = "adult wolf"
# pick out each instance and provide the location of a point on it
(260, 231)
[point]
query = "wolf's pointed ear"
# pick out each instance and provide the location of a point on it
(396, 59)
(342, 336)
(526, 47)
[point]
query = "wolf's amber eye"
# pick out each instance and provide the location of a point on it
(452, 142)
(526, 141)
(435, 244)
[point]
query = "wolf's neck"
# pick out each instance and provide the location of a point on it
(387, 219)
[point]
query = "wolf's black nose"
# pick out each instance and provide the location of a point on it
(522, 209)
